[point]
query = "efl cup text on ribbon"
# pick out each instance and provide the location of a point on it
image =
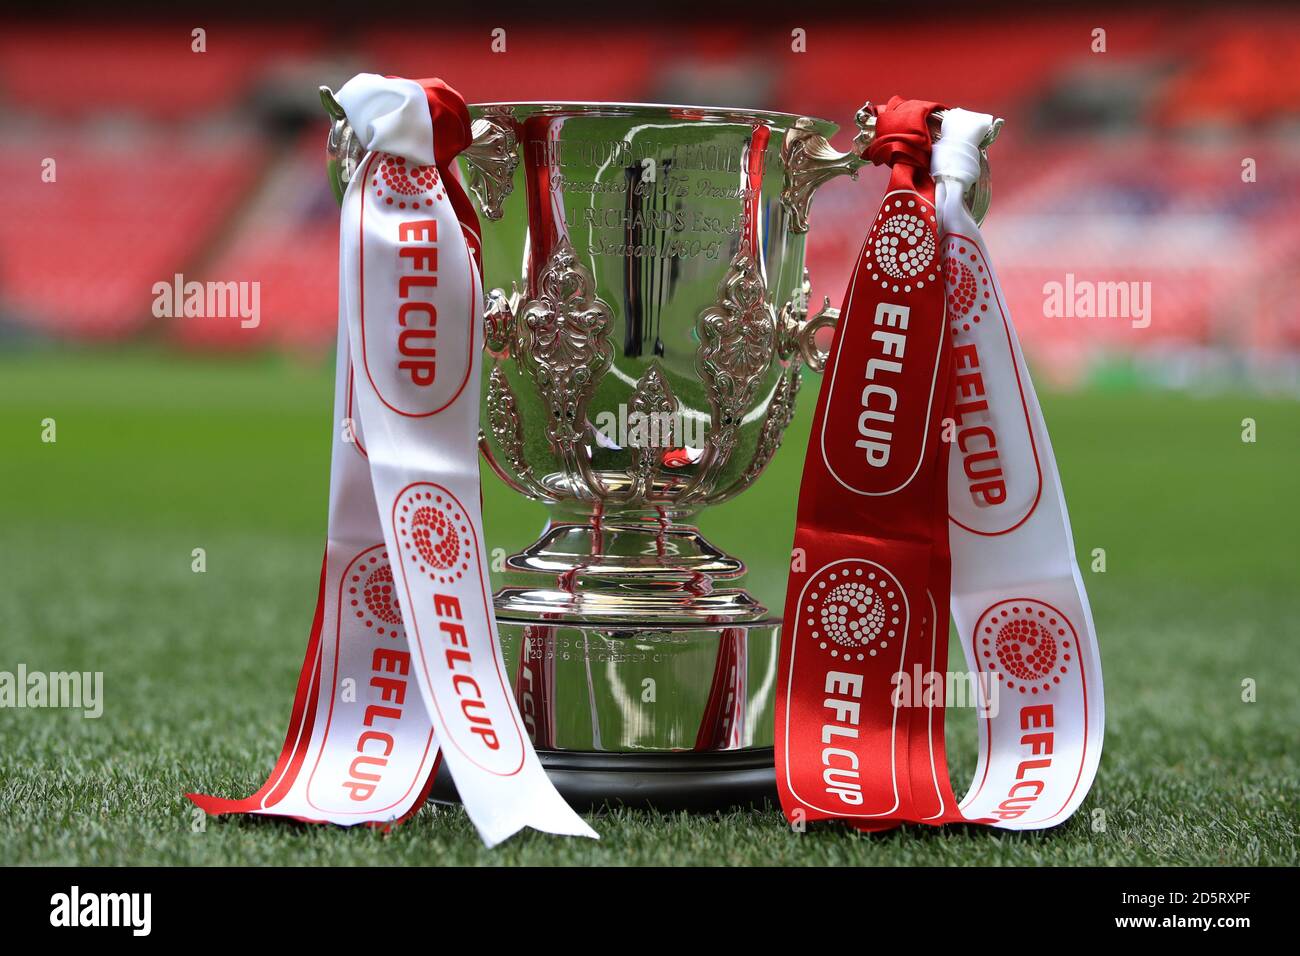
(385, 663)
(882, 377)
(840, 765)
(459, 658)
(875, 442)
(1038, 745)
(996, 464)
(978, 443)
(417, 318)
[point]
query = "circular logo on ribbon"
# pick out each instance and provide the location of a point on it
(961, 288)
(371, 594)
(967, 283)
(902, 242)
(435, 538)
(854, 611)
(1029, 645)
(434, 531)
(404, 184)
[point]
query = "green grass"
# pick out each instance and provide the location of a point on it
(159, 454)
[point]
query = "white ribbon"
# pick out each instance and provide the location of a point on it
(1018, 599)
(406, 597)
(410, 291)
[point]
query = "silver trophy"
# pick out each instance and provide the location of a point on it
(647, 327)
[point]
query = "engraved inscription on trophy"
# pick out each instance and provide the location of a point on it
(646, 198)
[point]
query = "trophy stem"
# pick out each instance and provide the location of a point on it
(626, 569)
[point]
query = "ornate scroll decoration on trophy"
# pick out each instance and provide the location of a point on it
(791, 320)
(780, 412)
(492, 159)
(499, 322)
(810, 161)
(781, 405)
(564, 343)
(504, 419)
(653, 399)
(506, 425)
(737, 341)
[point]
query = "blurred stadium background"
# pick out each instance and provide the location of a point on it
(176, 434)
(210, 164)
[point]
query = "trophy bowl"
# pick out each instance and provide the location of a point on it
(645, 333)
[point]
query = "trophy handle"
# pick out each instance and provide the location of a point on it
(492, 159)
(810, 161)
(342, 146)
(813, 354)
(798, 332)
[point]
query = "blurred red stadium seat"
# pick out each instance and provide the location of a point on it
(171, 191)
(289, 244)
(79, 256)
(541, 63)
(87, 70)
(1231, 71)
(975, 62)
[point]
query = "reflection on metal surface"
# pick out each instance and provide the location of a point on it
(588, 689)
(780, 412)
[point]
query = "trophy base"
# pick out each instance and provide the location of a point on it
(644, 674)
(670, 718)
(671, 781)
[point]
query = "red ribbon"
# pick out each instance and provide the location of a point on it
(868, 593)
(451, 136)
